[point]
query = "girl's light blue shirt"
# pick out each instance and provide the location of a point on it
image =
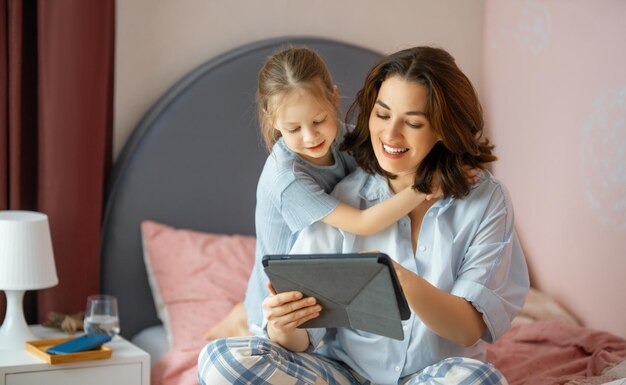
(467, 247)
(291, 195)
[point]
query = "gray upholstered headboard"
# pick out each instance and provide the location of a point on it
(194, 160)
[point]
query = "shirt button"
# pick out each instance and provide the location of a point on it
(397, 368)
(405, 328)
(422, 248)
(430, 214)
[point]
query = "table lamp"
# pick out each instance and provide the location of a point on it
(26, 263)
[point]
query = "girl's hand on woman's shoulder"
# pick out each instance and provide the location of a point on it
(471, 173)
(436, 191)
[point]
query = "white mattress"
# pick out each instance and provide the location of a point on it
(154, 341)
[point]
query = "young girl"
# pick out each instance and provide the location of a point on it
(297, 109)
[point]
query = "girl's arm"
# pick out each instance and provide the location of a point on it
(447, 315)
(384, 214)
(377, 217)
(285, 312)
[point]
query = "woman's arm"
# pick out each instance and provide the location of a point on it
(378, 217)
(445, 314)
(284, 313)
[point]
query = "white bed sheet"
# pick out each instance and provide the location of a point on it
(153, 340)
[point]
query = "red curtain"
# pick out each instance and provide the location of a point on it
(56, 103)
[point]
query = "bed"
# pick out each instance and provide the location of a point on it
(182, 194)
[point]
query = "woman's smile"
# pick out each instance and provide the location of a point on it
(393, 151)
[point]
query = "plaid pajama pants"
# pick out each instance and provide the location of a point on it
(257, 361)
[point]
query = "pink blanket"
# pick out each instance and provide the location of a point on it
(552, 352)
(177, 367)
(543, 352)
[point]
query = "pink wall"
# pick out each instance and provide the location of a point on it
(554, 92)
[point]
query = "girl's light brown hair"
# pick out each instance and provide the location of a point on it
(292, 68)
(452, 108)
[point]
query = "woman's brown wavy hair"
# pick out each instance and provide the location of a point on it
(452, 108)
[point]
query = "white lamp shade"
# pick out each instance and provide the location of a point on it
(26, 258)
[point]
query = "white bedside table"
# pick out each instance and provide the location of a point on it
(128, 365)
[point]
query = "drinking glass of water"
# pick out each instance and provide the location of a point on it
(101, 315)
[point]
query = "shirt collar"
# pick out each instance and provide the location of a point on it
(376, 187)
(444, 203)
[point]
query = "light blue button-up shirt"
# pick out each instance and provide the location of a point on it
(292, 193)
(467, 247)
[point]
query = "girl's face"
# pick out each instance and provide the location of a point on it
(308, 127)
(400, 133)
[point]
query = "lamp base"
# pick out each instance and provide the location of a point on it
(14, 331)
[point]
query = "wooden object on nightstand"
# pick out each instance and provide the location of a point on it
(39, 348)
(128, 365)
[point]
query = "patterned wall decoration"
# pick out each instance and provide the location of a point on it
(603, 160)
(534, 26)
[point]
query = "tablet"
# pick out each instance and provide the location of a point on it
(359, 291)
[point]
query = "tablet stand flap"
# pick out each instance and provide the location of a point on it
(374, 311)
(341, 281)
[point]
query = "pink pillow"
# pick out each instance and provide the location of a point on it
(196, 278)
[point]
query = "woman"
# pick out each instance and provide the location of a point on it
(418, 122)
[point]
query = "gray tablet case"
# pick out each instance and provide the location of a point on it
(359, 291)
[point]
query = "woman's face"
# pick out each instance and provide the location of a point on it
(400, 133)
